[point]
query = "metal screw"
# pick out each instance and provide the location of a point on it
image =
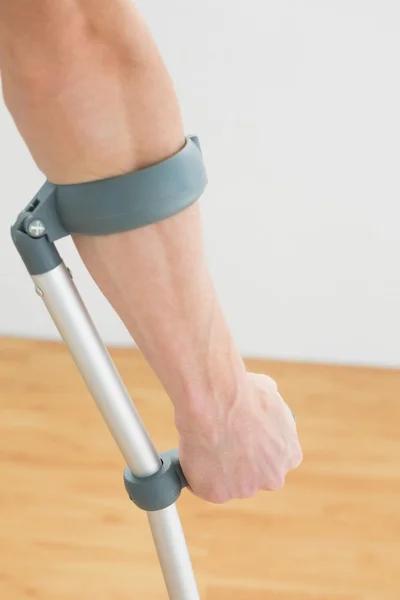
(36, 228)
(39, 291)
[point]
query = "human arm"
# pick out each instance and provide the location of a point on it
(91, 97)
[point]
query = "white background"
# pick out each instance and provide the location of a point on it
(297, 106)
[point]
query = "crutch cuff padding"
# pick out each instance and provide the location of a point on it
(135, 199)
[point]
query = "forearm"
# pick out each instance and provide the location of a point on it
(158, 282)
(108, 108)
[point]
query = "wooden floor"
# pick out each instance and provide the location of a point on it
(68, 531)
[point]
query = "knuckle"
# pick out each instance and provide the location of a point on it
(218, 496)
(297, 458)
(247, 491)
(275, 482)
(271, 383)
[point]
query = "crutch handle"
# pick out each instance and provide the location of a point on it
(160, 490)
(173, 455)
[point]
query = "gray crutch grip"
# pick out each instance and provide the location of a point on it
(159, 490)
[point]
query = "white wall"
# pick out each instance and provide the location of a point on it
(297, 106)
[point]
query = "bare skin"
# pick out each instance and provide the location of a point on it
(90, 94)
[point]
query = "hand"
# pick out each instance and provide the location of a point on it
(242, 448)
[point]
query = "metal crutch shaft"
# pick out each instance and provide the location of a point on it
(104, 207)
(73, 321)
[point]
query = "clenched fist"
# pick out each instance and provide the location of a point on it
(242, 448)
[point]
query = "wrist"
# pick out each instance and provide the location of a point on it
(207, 402)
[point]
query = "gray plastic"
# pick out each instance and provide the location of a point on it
(109, 205)
(44, 207)
(159, 490)
(136, 199)
(39, 255)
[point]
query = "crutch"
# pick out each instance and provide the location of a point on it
(154, 482)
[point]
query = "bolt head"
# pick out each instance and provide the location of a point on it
(36, 228)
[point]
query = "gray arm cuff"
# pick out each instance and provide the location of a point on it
(136, 199)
